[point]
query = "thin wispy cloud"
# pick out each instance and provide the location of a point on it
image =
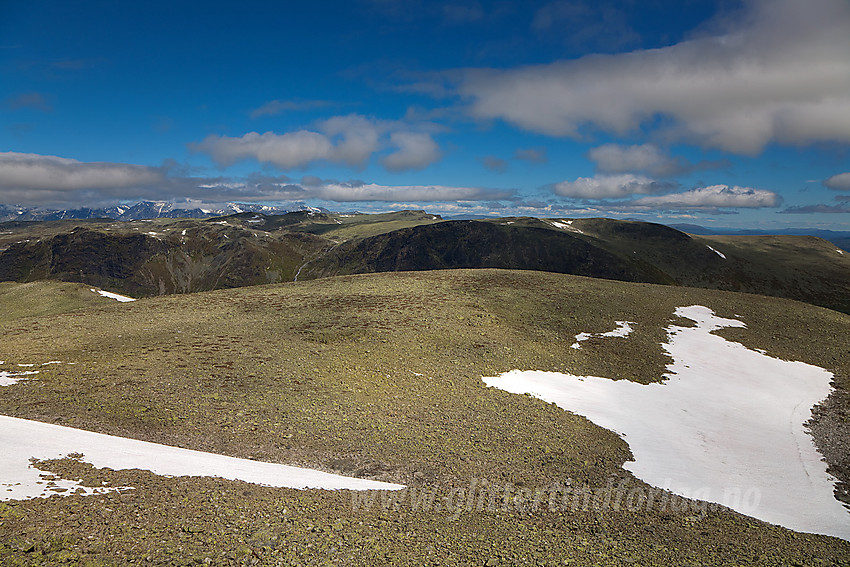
(532, 155)
(34, 100)
(817, 209)
(494, 163)
(275, 107)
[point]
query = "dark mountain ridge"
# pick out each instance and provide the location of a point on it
(162, 256)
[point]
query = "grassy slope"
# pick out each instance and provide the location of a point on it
(43, 298)
(378, 376)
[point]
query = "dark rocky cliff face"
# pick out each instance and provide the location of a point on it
(142, 265)
(80, 255)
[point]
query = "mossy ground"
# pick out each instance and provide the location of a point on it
(378, 376)
(41, 298)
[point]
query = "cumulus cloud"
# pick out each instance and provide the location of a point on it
(532, 155)
(355, 137)
(778, 73)
(287, 151)
(840, 182)
(350, 140)
(416, 150)
(712, 197)
(609, 187)
(644, 158)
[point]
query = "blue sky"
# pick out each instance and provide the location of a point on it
(721, 113)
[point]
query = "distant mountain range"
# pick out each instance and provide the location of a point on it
(139, 211)
(840, 238)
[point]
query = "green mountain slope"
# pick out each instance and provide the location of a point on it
(379, 376)
(42, 298)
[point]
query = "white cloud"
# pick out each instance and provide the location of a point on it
(343, 192)
(350, 140)
(609, 187)
(51, 173)
(712, 197)
(287, 151)
(32, 179)
(357, 138)
(779, 73)
(644, 158)
(416, 150)
(840, 182)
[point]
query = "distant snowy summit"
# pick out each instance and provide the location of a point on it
(143, 210)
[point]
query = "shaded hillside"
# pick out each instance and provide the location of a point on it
(472, 244)
(175, 258)
(797, 267)
(804, 268)
(163, 256)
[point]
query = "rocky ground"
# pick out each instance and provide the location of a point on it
(379, 376)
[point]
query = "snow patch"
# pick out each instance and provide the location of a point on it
(22, 440)
(121, 298)
(623, 330)
(566, 225)
(727, 421)
(716, 252)
(9, 378)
